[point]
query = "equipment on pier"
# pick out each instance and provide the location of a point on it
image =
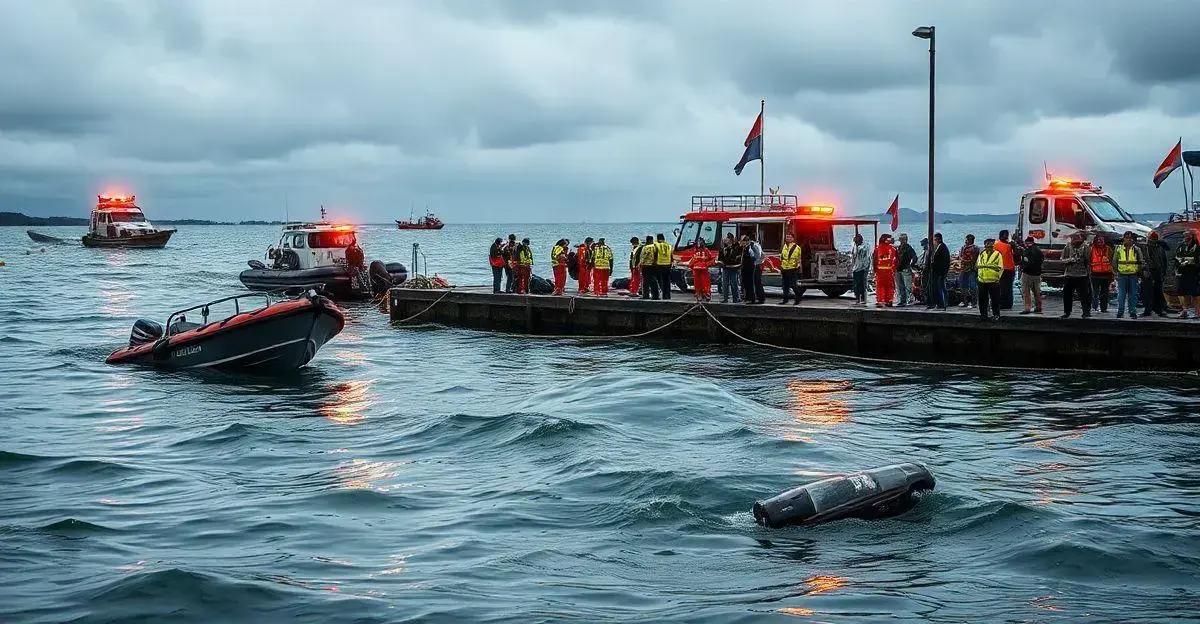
(874, 493)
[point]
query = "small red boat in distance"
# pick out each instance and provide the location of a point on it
(427, 222)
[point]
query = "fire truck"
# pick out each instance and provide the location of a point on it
(768, 218)
(1051, 215)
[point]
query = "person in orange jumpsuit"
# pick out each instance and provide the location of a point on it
(884, 263)
(701, 260)
(558, 262)
(635, 270)
(602, 261)
(583, 257)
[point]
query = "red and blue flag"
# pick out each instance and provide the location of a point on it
(1173, 161)
(753, 146)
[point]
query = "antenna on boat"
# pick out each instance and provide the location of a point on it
(1047, 170)
(285, 208)
(322, 212)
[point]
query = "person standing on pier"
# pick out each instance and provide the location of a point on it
(989, 268)
(524, 257)
(1031, 276)
(752, 269)
(701, 260)
(649, 258)
(905, 263)
(883, 261)
(860, 264)
(1152, 282)
(1102, 273)
(1187, 268)
(602, 258)
(635, 268)
(1010, 271)
(583, 259)
(789, 268)
(939, 268)
(496, 261)
(967, 278)
(1076, 264)
(510, 264)
(558, 263)
(1127, 260)
(730, 260)
(662, 265)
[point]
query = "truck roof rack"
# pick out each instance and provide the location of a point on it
(740, 203)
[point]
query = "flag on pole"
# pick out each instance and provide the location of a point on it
(753, 146)
(1173, 161)
(894, 210)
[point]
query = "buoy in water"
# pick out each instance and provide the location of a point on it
(874, 493)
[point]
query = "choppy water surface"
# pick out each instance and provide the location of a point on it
(448, 475)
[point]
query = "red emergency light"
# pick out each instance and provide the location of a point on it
(816, 210)
(1066, 184)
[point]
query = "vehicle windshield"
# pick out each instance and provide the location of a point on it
(687, 236)
(126, 217)
(1106, 209)
(338, 240)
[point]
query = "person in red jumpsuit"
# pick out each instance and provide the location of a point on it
(884, 263)
(583, 256)
(635, 269)
(558, 262)
(701, 260)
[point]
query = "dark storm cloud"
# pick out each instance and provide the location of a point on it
(553, 110)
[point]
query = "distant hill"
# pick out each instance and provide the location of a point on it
(16, 218)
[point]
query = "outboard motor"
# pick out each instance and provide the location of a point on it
(144, 330)
(870, 494)
(381, 279)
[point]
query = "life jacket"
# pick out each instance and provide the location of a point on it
(649, 254)
(1127, 260)
(1101, 260)
(789, 257)
(496, 259)
(663, 253)
(989, 266)
(558, 256)
(885, 258)
(583, 256)
(602, 257)
(524, 256)
(634, 254)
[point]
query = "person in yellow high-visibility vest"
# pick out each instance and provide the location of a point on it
(602, 258)
(648, 258)
(789, 268)
(524, 266)
(989, 268)
(662, 261)
(1127, 263)
(558, 263)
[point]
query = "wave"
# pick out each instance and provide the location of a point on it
(10, 458)
(76, 528)
(230, 433)
(91, 468)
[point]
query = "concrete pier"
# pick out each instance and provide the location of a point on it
(833, 326)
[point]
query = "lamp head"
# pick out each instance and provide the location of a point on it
(923, 32)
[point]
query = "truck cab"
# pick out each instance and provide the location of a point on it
(1051, 215)
(312, 245)
(768, 218)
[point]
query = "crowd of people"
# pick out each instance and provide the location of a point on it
(986, 277)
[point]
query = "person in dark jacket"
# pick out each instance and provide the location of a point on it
(496, 261)
(1076, 260)
(510, 264)
(730, 260)
(906, 262)
(1030, 261)
(1187, 268)
(1152, 278)
(939, 268)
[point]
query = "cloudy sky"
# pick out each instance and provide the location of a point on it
(531, 110)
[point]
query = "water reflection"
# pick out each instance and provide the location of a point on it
(824, 583)
(814, 404)
(348, 401)
(364, 474)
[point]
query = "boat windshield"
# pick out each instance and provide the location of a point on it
(1106, 209)
(129, 216)
(337, 240)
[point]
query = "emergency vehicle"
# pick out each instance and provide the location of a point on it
(768, 218)
(117, 221)
(1065, 207)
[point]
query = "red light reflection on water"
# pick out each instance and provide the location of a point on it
(348, 401)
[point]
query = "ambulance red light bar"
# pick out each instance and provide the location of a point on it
(114, 200)
(1065, 184)
(816, 210)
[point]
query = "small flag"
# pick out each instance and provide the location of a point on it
(753, 146)
(1173, 161)
(894, 210)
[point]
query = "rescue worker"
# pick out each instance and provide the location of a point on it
(583, 258)
(602, 259)
(1127, 260)
(906, 261)
(699, 263)
(861, 263)
(754, 290)
(989, 269)
(648, 257)
(1187, 268)
(558, 263)
(967, 277)
(1010, 271)
(789, 268)
(731, 269)
(1031, 276)
(1152, 282)
(1102, 274)
(883, 261)
(354, 257)
(662, 268)
(510, 264)
(635, 269)
(1075, 258)
(496, 260)
(524, 255)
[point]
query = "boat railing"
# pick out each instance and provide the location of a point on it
(205, 308)
(738, 203)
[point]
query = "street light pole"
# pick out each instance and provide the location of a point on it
(928, 32)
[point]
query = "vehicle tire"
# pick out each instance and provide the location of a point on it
(834, 293)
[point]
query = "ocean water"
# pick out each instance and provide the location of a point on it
(445, 475)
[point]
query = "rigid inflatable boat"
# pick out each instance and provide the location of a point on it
(870, 494)
(261, 335)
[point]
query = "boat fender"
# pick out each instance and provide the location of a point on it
(876, 493)
(255, 264)
(381, 279)
(161, 350)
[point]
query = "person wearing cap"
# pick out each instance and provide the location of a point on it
(602, 261)
(1127, 263)
(1031, 276)
(583, 260)
(1076, 267)
(905, 262)
(1155, 268)
(1010, 271)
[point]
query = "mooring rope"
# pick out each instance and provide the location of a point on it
(427, 308)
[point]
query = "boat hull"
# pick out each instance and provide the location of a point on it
(144, 241)
(400, 225)
(337, 283)
(275, 339)
(44, 238)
